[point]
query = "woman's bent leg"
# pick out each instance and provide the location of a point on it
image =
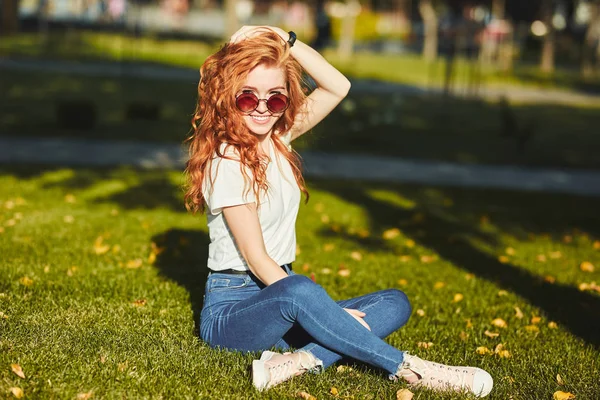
(386, 312)
(261, 321)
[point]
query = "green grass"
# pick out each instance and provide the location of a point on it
(405, 68)
(80, 322)
(420, 127)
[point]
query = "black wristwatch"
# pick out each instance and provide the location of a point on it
(292, 38)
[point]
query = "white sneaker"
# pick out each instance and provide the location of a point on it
(274, 368)
(419, 372)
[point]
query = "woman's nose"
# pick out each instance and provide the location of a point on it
(262, 106)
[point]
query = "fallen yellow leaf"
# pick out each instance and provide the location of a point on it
(151, 258)
(597, 245)
(549, 279)
(298, 251)
(344, 272)
(134, 263)
(421, 312)
(536, 320)
(402, 282)
(499, 322)
(410, 243)
(469, 276)
(69, 219)
(391, 234)
(586, 266)
(139, 302)
(328, 247)
(555, 254)
(334, 391)
(439, 285)
(324, 218)
(552, 325)
(325, 271)
(404, 394)
(404, 258)
(16, 368)
(463, 335)
(559, 380)
(343, 368)
(306, 396)
(355, 255)
(558, 395)
(17, 392)
(26, 281)
(491, 334)
(482, 350)
(502, 293)
(69, 198)
(424, 345)
(518, 313)
(510, 251)
(469, 324)
(3, 316)
(305, 267)
(541, 258)
(458, 297)
(532, 328)
(84, 396)
(99, 247)
(504, 259)
(428, 259)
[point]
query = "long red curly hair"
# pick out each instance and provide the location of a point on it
(217, 120)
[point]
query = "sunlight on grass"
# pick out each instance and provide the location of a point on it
(102, 275)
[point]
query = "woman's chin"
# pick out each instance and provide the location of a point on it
(260, 130)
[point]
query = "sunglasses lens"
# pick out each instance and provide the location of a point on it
(277, 103)
(246, 102)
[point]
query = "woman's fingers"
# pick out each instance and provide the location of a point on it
(358, 315)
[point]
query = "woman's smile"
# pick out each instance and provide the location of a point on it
(260, 119)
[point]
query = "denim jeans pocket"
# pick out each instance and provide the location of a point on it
(218, 282)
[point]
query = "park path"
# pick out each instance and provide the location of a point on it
(102, 153)
(161, 72)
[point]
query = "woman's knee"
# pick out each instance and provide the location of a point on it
(400, 304)
(298, 286)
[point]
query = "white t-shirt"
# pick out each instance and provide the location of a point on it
(277, 211)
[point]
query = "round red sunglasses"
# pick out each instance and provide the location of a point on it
(248, 102)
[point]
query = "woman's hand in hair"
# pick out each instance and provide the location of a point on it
(358, 315)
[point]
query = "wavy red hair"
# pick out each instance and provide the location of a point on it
(216, 119)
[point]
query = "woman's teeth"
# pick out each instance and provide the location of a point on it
(260, 118)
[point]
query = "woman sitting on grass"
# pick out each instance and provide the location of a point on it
(251, 106)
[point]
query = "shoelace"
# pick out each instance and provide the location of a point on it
(281, 372)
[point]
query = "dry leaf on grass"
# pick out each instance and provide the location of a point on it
(439, 285)
(536, 320)
(502, 293)
(504, 259)
(510, 251)
(334, 391)
(405, 258)
(402, 282)
(458, 297)
(499, 322)
(424, 345)
(132, 264)
(328, 247)
(532, 328)
(84, 396)
(344, 272)
(518, 313)
(404, 394)
(26, 281)
(139, 302)
(99, 247)
(69, 198)
(586, 266)
(305, 396)
(559, 380)
(597, 245)
(410, 243)
(16, 368)
(491, 334)
(355, 255)
(483, 350)
(325, 218)
(562, 395)
(552, 325)
(391, 233)
(421, 312)
(343, 368)
(17, 392)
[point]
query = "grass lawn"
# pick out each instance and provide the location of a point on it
(102, 272)
(404, 68)
(411, 126)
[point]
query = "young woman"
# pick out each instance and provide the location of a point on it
(242, 171)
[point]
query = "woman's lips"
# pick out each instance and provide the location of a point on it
(260, 119)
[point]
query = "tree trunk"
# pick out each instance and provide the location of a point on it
(591, 36)
(498, 9)
(10, 17)
(430, 23)
(547, 58)
(346, 44)
(231, 19)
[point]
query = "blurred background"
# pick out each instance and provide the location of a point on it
(504, 82)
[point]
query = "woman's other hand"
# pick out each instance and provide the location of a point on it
(358, 315)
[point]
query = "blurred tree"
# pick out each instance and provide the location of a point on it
(430, 29)
(10, 17)
(231, 18)
(549, 44)
(591, 43)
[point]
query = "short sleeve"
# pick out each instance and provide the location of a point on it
(228, 186)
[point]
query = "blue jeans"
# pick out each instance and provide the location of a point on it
(240, 313)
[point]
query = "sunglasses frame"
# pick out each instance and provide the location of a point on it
(287, 102)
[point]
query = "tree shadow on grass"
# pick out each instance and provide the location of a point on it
(182, 256)
(449, 234)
